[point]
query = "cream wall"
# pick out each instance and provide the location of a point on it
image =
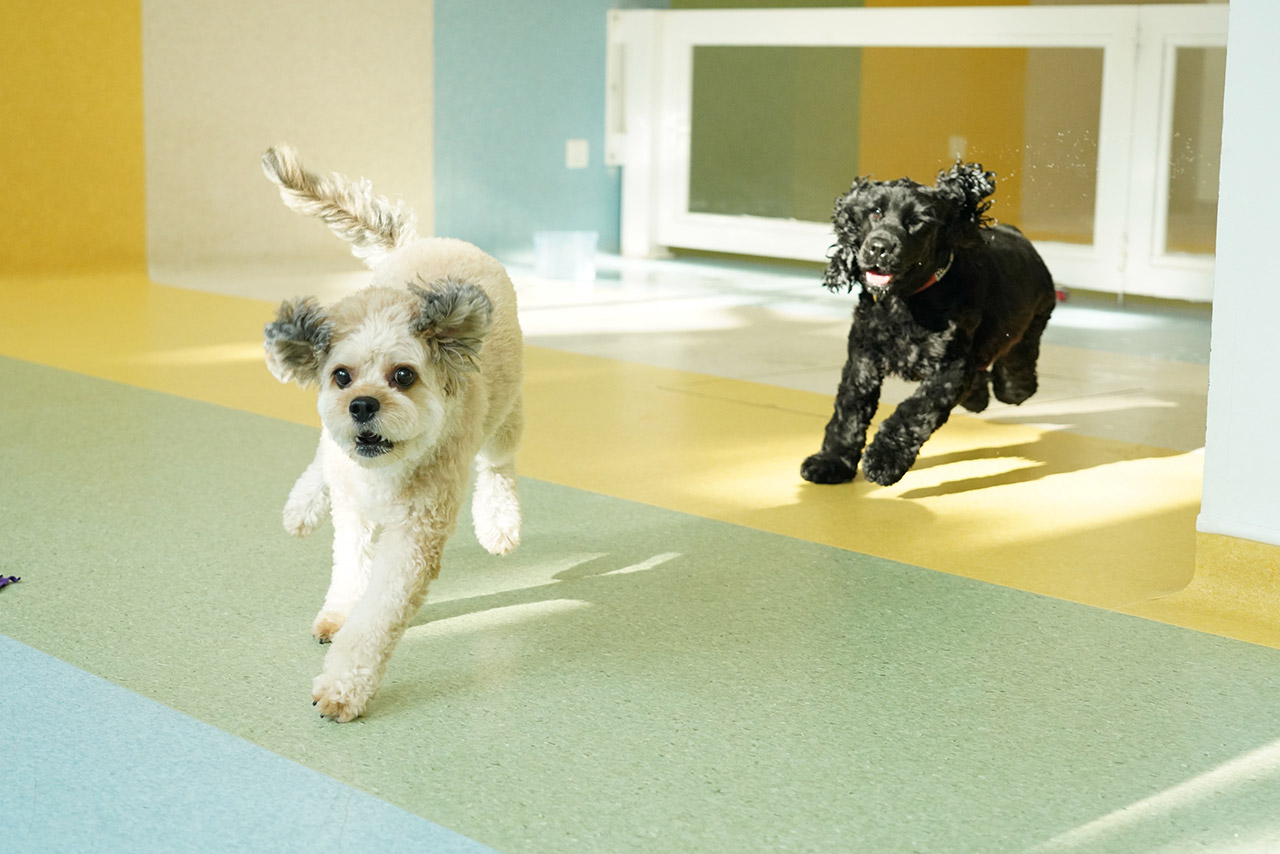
(348, 83)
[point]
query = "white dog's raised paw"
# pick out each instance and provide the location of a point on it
(298, 522)
(343, 697)
(308, 502)
(304, 513)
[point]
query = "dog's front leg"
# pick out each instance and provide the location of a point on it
(898, 441)
(308, 501)
(846, 434)
(352, 544)
(405, 560)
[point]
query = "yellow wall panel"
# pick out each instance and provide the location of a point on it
(976, 94)
(71, 136)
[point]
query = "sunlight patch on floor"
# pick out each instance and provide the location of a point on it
(1150, 817)
(493, 617)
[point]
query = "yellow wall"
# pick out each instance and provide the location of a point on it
(71, 136)
(977, 94)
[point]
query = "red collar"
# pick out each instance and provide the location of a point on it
(937, 274)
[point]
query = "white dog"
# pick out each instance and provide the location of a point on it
(419, 375)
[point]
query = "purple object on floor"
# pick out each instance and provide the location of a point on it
(8, 579)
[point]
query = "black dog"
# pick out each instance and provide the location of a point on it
(947, 300)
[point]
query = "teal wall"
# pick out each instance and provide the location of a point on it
(513, 80)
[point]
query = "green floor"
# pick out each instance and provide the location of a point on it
(631, 679)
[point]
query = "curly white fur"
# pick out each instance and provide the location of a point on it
(308, 502)
(372, 224)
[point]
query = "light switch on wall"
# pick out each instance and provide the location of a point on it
(577, 154)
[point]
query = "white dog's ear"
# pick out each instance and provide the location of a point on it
(297, 341)
(453, 317)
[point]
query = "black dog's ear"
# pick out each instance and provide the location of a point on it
(969, 185)
(297, 341)
(843, 271)
(452, 319)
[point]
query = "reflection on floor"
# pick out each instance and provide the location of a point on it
(692, 650)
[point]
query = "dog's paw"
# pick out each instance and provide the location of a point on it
(326, 625)
(308, 503)
(885, 464)
(495, 508)
(300, 521)
(343, 696)
(825, 468)
(1013, 389)
(304, 511)
(978, 396)
(497, 524)
(497, 540)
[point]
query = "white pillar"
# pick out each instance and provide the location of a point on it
(1242, 443)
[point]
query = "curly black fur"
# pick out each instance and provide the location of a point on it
(947, 300)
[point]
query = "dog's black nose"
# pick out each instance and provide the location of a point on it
(878, 247)
(363, 408)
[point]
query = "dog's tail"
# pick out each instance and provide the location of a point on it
(372, 224)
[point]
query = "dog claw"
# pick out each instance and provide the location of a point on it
(342, 698)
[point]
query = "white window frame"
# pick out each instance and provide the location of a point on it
(649, 117)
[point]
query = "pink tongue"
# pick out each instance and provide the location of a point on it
(878, 280)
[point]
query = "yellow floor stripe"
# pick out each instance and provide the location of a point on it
(1236, 592)
(1096, 521)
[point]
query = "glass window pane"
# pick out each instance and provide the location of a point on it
(1195, 149)
(774, 130)
(780, 132)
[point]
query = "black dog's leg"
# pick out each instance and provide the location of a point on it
(977, 397)
(856, 402)
(1013, 376)
(898, 441)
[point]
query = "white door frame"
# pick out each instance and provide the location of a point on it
(649, 107)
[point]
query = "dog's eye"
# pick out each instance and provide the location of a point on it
(342, 377)
(876, 213)
(404, 377)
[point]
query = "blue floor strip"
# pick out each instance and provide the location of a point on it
(88, 766)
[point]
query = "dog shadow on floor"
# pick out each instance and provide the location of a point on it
(581, 581)
(1052, 453)
(507, 623)
(1172, 422)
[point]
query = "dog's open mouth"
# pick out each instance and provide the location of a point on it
(371, 445)
(877, 280)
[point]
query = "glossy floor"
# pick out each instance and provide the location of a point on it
(692, 650)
